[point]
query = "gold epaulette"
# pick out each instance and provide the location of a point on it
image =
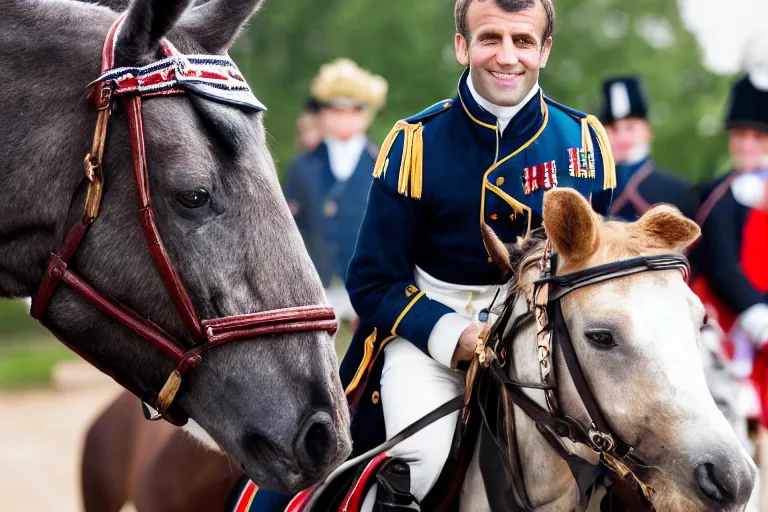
(609, 165)
(409, 182)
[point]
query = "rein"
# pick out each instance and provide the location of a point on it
(212, 76)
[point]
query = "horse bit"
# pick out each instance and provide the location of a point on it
(544, 305)
(212, 76)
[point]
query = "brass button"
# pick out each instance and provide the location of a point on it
(494, 216)
(410, 290)
(446, 105)
(490, 260)
(500, 181)
(375, 397)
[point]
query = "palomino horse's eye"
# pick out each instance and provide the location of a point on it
(601, 339)
(194, 198)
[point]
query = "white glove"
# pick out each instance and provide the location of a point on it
(754, 323)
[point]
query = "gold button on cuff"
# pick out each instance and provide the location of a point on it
(375, 397)
(500, 181)
(494, 216)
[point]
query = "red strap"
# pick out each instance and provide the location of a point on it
(172, 280)
(356, 495)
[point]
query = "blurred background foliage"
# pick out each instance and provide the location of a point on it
(410, 43)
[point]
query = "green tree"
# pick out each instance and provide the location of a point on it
(410, 43)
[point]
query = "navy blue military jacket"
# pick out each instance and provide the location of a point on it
(439, 176)
(730, 237)
(642, 185)
(328, 212)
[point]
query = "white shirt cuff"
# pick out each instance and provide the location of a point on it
(445, 336)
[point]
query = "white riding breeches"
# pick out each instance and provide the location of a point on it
(413, 384)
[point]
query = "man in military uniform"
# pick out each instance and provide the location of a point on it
(640, 184)
(733, 253)
(327, 187)
(421, 272)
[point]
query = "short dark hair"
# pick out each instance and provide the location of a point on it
(461, 7)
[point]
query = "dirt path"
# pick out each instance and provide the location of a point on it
(41, 435)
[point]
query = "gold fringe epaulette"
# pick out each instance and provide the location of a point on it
(609, 165)
(409, 181)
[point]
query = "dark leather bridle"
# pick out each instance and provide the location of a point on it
(546, 309)
(204, 334)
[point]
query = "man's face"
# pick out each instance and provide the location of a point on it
(505, 50)
(748, 148)
(627, 135)
(344, 123)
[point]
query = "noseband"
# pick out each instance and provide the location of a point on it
(552, 331)
(213, 76)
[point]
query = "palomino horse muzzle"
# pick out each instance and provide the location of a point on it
(212, 76)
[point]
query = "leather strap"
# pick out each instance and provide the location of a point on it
(205, 335)
(631, 192)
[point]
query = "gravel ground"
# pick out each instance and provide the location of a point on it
(41, 434)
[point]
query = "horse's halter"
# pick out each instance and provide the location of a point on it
(213, 76)
(548, 290)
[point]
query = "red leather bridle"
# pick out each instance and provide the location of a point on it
(205, 334)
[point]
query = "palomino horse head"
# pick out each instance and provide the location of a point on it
(274, 402)
(636, 339)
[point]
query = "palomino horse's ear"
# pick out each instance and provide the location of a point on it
(667, 226)
(216, 24)
(497, 250)
(571, 225)
(146, 22)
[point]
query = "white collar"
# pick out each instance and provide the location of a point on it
(637, 154)
(503, 114)
(344, 155)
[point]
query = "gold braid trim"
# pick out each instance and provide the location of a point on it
(409, 181)
(609, 165)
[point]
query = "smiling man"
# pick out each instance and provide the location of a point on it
(421, 273)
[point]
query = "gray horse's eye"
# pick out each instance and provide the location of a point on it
(194, 198)
(600, 338)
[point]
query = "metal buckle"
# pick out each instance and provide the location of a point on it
(601, 441)
(150, 413)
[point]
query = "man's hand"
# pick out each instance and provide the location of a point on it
(468, 341)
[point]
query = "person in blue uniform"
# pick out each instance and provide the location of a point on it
(733, 253)
(421, 273)
(327, 187)
(640, 184)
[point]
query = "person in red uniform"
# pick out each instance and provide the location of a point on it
(733, 255)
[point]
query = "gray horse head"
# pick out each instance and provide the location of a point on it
(220, 212)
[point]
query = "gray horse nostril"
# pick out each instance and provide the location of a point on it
(718, 486)
(314, 442)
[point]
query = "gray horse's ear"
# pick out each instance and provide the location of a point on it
(216, 24)
(570, 223)
(667, 227)
(497, 250)
(146, 22)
